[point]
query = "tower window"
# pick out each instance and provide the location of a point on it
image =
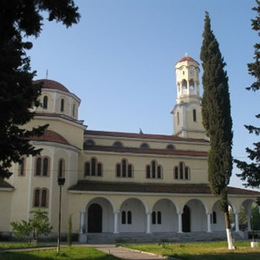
(45, 102)
(178, 118)
(62, 105)
(144, 145)
(118, 144)
(61, 169)
(194, 114)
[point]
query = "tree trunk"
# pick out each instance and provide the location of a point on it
(228, 231)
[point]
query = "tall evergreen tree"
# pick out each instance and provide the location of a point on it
(18, 95)
(251, 171)
(216, 118)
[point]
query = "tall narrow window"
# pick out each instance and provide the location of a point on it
(37, 198)
(73, 109)
(61, 169)
(153, 170)
(45, 167)
(44, 198)
(123, 217)
(181, 172)
(38, 166)
(214, 217)
(124, 169)
(42, 166)
(178, 118)
(45, 102)
(194, 115)
(129, 217)
(93, 168)
(62, 105)
(21, 168)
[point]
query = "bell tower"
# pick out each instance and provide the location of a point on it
(187, 118)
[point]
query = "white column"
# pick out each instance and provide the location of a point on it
(148, 227)
(236, 222)
(208, 223)
(179, 222)
(82, 224)
(116, 213)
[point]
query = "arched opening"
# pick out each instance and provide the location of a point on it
(186, 219)
(95, 218)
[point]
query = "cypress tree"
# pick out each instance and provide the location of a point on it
(216, 118)
(251, 171)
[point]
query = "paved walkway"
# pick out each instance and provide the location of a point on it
(125, 253)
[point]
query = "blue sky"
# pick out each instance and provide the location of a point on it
(120, 60)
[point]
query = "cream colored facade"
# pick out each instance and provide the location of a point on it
(116, 182)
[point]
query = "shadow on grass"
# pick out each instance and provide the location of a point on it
(226, 256)
(52, 255)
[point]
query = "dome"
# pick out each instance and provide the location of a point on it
(50, 136)
(51, 84)
(187, 58)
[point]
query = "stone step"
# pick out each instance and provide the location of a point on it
(110, 238)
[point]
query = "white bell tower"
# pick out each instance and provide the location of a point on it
(187, 118)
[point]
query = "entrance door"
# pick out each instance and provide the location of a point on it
(94, 218)
(186, 219)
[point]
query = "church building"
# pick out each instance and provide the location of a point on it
(121, 185)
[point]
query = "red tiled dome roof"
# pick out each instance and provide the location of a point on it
(187, 58)
(50, 136)
(51, 84)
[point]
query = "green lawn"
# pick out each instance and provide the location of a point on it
(201, 251)
(78, 253)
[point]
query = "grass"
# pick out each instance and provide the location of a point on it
(201, 251)
(66, 253)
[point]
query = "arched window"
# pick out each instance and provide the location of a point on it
(40, 198)
(170, 147)
(93, 168)
(118, 144)
(45, 166)
(21, 167)
(191, 85)
(88, 142)
(144, 145)
(124, 169)
(36, 198)
(38, 166)
(44, 198)
(62, 105)
(181, 172)
(153, 170)
(45, 102)
(61, 168)
(42, 166)
(184, 84)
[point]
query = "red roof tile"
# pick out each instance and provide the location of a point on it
(51, 84)
(143, 136)
(50, 136)
(187, 58)
(86, 185)
(145, 151)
